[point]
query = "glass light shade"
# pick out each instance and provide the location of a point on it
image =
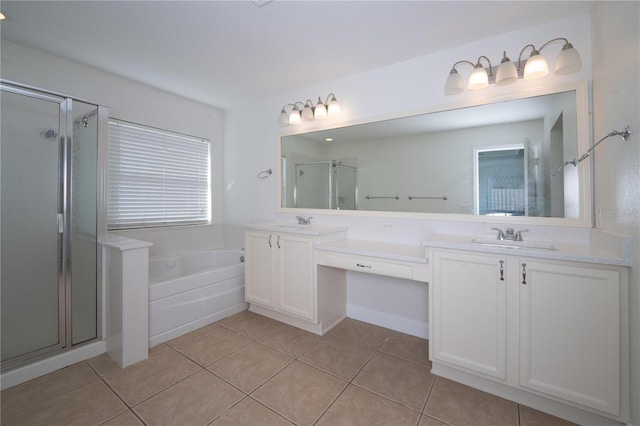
(294, 117)
(568, 61)
(507, 72)
(479, 79)
(536, 66)
(307, 113)
(334, 107)
(320, 111)
(454, 84)
(284, 118)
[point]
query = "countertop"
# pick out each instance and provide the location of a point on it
(296, 229)
(563, 251)
(402, 252)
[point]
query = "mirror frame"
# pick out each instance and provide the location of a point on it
(583, 134)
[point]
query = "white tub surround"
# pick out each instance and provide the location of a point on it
(548, 328)
(190, 291)
(127, 299)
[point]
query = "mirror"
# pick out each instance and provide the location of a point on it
(496, 159)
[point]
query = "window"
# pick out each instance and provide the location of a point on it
(156, 178)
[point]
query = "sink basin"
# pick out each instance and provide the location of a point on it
(528, 245)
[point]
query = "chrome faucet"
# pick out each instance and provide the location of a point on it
(303, 221)
(510, 234)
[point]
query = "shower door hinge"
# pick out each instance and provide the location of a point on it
(60, 223)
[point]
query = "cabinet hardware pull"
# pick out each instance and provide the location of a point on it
(270, 241)
(524, 274)
(278, 241)
(502, 270)
(359, 265)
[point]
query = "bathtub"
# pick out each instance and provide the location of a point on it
(189, 291)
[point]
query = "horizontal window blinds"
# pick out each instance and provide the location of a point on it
(156, 178)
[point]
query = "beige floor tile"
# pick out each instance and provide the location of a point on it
(290, 340)
(368, 335)
(248, 412)
(103, 365)
(300, 393)
(430, 421)
(125, 419)
(235, 317)
(20, 398)
(196, 400)
(253, 326)
(250, 366)
(457, 404)
(144, 379)
(211, 346)
(91, 404)
(338, 356)
(531, 417)
(405, 382)
(356, 406)
(191, 335)
(407, 347)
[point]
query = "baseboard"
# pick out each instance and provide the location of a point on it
(394, 322)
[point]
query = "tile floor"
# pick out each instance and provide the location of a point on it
(251, 370)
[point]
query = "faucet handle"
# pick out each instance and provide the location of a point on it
(518, 235)
(500, 233)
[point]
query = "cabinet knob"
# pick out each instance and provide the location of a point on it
(524, 274)
(502, 270)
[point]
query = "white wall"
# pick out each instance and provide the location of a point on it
(130, 101)
(406, 88)
(616, 95)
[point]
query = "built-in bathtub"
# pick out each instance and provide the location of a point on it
(189, 291)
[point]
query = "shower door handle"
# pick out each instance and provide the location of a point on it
(60, 218)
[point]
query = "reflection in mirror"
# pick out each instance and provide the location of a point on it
(445, 162)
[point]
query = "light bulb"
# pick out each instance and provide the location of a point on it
(320, 111)
(507, 72)
(536, 66)
(334, 107)
(454, 84)
(479, 79)
(294, 117)
(568, 61)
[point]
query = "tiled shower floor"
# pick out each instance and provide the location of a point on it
(251, 370)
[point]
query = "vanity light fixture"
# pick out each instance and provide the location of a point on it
(309, 112)
(534, 67)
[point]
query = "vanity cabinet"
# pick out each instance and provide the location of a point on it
(281, 280)
(279, 272)
(546, 327)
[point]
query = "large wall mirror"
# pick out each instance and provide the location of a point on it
(499, 159)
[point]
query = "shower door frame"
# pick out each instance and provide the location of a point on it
(65, 172)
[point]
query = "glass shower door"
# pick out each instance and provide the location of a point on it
(31, 235)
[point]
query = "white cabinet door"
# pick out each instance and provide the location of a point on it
(295, 275)
(279, 272)
(570, 332)
(470, 311)
(258, 273)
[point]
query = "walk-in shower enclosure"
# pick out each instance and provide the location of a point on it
(51, 221)
(325, 185)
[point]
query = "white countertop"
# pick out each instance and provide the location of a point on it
(402, 252)
(292, 228)
(124, 243)
(563, 251)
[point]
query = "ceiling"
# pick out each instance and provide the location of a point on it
(225, 53)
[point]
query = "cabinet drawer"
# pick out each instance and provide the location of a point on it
(370, 265)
